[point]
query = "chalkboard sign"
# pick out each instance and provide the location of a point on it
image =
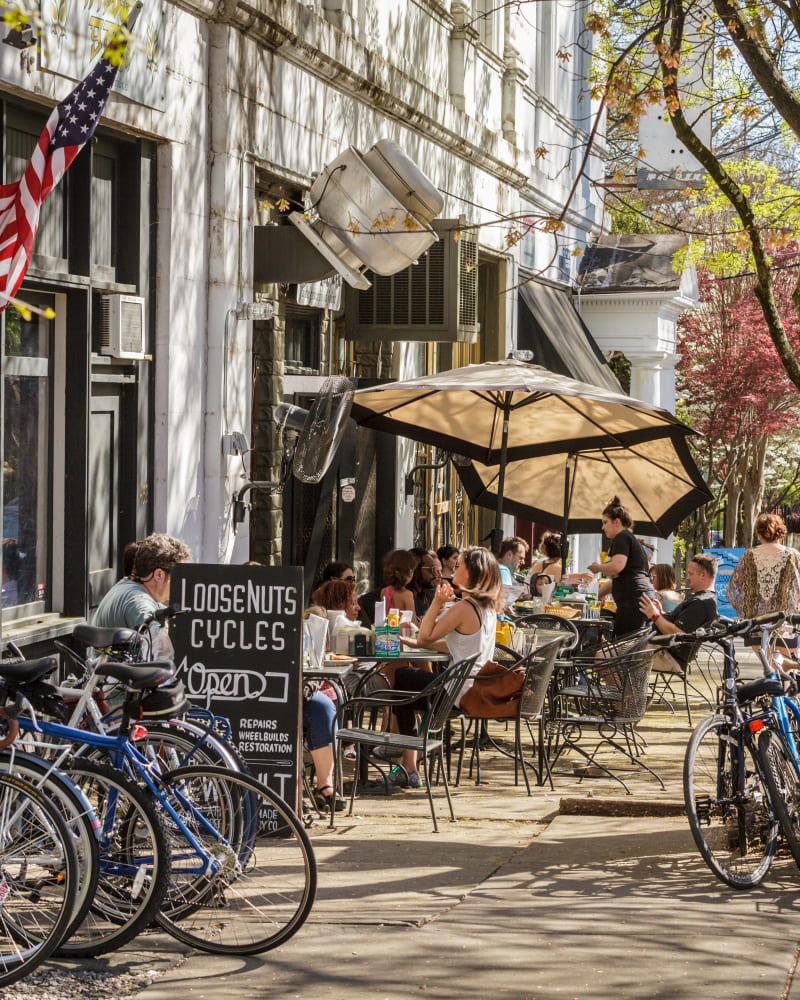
(238, 650)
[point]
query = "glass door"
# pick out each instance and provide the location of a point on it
(27, 486)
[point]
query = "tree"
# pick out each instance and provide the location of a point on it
(737, 394)
(663, 54)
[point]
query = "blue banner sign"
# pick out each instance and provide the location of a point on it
(726, 563)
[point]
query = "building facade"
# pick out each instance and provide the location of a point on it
(238, 108)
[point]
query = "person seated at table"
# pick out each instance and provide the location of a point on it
(663, 577)
(542, 585)
(338, 595)
(462, 628)
(697, 610)
(427, 576)
(319, 712)
(338, 571)
(512, 556)
(448, 556)
(398, 571)
(550, 563)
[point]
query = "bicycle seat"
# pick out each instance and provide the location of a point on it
(764, 687)
(102, 638)
(138, 676)
(28, 670)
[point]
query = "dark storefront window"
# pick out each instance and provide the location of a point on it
(26, 464)
(302, 339)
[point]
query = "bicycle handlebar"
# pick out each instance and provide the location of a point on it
(722, 628)
(164, 615)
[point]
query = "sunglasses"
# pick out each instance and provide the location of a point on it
(350, 578)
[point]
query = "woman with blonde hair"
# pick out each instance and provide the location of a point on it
(463, 628)
(767, 577)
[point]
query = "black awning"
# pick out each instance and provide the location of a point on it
(550, 326)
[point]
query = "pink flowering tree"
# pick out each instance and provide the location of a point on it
(736, 391)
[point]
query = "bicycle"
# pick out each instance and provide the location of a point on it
(779, 739)
(243, 875)
(39, 870)
(126, 887)
(730, 811)
(180, 734)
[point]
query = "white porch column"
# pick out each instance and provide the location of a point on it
(646, 372)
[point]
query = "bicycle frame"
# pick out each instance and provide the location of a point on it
(126, 758)
(781, 706)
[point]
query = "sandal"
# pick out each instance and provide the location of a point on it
(323, 801)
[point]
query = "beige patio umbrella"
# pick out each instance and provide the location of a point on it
(501, 413)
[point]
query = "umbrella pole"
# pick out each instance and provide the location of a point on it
(564, 530)
(497, 533)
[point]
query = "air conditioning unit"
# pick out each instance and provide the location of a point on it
(122, 329)
(435, 299)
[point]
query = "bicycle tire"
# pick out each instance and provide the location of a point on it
(265, 887)
(728, 805)
(783, 783)
(79, 817)
(189, 745)
(134, 860)
(36, 908)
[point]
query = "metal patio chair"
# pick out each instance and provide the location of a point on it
(599, 707)
(371, 714)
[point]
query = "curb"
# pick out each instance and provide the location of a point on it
(620, 807)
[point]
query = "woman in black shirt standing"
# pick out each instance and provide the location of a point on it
(628, 568)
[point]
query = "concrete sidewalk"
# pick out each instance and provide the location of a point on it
(520, 898)
(586, 907)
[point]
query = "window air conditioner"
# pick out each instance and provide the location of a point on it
(122, 330)
(435, 299)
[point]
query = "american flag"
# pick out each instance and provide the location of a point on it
(71, 124)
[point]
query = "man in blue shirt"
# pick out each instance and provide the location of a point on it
(512, 555)
(133, 600)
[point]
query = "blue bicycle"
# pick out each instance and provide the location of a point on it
(742, 769)
(235, 863)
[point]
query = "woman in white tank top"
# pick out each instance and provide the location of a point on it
(467, 627)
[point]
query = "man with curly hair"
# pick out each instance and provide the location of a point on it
(134, 599)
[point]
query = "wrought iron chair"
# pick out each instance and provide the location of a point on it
(600, 706)
(367, 718)
(668, 671)
(538, 669)
(553, 623)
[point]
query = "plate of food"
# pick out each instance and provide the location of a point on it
(337, 659)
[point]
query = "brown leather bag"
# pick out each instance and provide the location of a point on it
(495, 692)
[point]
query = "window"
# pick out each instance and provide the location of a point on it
(27, 406)
(104, 206)
(21, 141)
(487, 14)
(302, 331)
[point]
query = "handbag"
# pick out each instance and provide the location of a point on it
(495, 692)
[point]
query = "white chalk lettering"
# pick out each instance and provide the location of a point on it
(210, 685)
(251, 598)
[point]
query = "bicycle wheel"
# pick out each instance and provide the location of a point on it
(134, 860)
(728, 804)
(38, 878)
(783, 783)
(183, 744)
(266, 877)
(78, 815)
